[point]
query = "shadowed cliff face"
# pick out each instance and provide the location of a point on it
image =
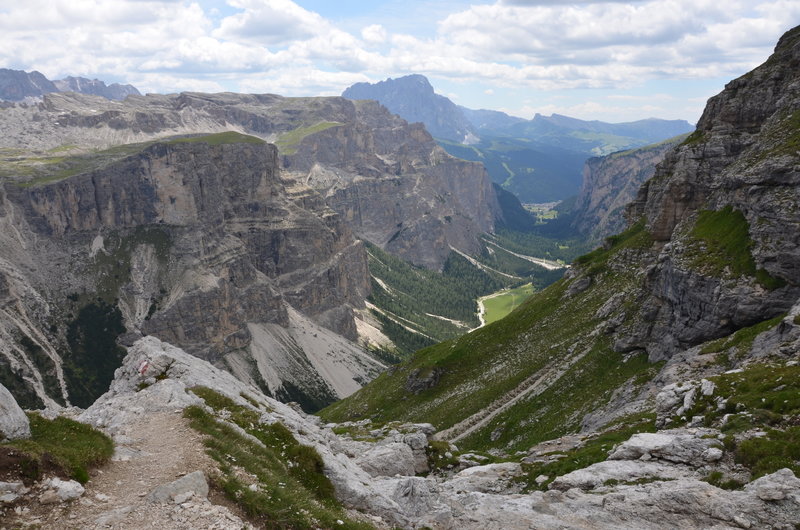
(610, 183)
(742, 165)
(195, 244)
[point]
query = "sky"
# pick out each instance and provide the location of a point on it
(591, 59)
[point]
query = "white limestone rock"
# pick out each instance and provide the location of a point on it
(388, 460)
(677, 446)
(618, 471)
(491, 478)
(179, 491)
(14, 423)
(57, 490)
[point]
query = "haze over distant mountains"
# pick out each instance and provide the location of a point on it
(539, 160)
(16, 85)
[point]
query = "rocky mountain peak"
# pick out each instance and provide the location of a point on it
(17, 85)
(413, 98)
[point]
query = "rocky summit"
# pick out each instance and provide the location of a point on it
(181, 283)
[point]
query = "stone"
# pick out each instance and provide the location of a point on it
(616, 471)
(776, 486)
(14, 423)
(193, 484)
(61, 491)
(490, 478)
(707, 387)
(389, 460)
(675, 446)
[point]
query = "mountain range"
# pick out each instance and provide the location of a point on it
(181, 266)
(17, 85)
(539, 160)
(153, 216)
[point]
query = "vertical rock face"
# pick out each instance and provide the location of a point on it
(204, 243)
(610, 183)
(397, 188)
(742, 163)
(196, 243)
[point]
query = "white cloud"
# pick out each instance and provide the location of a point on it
(374, 34)
(270, 22)
(279, 46)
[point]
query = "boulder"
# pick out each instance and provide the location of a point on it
(491, 478)
(776, 487)
(612, 472)
(389, 460)
(178, 491)
(13, 421)
(678, 446)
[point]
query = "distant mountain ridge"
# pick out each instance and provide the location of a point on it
(539, 160)
(16, 85)
(412, 98)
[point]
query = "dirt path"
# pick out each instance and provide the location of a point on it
(159, 448)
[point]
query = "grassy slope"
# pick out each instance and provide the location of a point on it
(548, 332)
(290, 487)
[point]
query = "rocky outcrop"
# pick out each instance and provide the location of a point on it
(610, 183)
(627, 492)
(741, 161)
(13, 421)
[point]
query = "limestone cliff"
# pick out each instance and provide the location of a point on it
(737, 172)
(242, 254)
(371, 166)
(610, 183)
(396, 187)
(199, 242)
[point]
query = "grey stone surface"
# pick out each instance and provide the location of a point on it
(676, 446)
(388, 460)
(179, 491)
(13, 421)
(57, 490)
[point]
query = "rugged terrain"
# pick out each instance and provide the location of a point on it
(17, 85)
(707, 264)
(241, 253)
(649, 481)
(610, 183)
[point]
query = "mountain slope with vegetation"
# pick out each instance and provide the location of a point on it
(710, 252)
